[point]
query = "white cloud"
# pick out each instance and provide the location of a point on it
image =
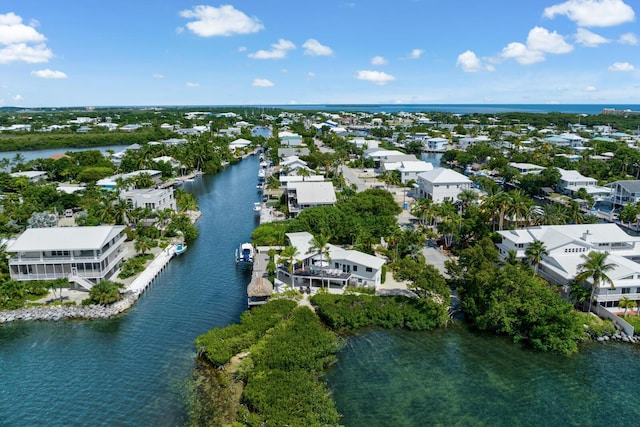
(22, 43)
(542, 40)
(17, 98)
(192, 84)
(379, 60)
(278, 51)
(262, 83)
(589, 39)
(539, 42)
(416, 53)
(157, 76)
(375, 77)
(315, 48)
(220, 21)
(12, 31)
(628, 38)
(593, 13)
(590, 89)
(24, 53)
(522, 54)
(310, 75)
(242, 49)
(469, 62)
(49, 74)
(621, 66)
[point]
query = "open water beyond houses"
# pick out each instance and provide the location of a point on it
(133, 370)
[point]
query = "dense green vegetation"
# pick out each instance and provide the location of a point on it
(509, 299)
(353, 312)
(14, 294)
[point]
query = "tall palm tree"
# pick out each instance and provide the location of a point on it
(518, 207)
(595, 267)
(535, 252)
(626, 303)
(289, 255)
(320, 246)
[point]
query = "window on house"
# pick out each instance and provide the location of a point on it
(626, 291)
(355, 268)
(369, 269)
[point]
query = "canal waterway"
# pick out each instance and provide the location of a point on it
(28, 155)
(132, 370)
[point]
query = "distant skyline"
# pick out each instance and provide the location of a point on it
(72, 53)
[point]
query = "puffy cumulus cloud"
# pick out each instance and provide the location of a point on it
(12, 30)
(376, 77)
(539, 42)
(416, 53)
(379, 60)
(314, 48)
(522, 54)
(225, 20)
(17, 98)
(49, 74)
(469, 62)
(542, 40)
(593, 13)
(278, 50)
(621, 66)
(628, 38)
(262, 83)
(589, 39)
(20, 42)
(25, 53)
(192, 84)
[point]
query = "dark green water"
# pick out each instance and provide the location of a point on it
(454, 377)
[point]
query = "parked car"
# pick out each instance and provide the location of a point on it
(68, 213)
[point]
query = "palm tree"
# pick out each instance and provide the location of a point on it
(518, 207)
(320, 246)
(595, 267)
(511, 258)
(626, 303)
(289, 255)
(535, 252)
(579, 293)
(142, 245)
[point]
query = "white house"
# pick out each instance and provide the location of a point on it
(239, 144)
(156, 199)
(346, 266)
(33, 176)
(527, 168)
(290, 139)
(410, 169)
(625, 192)
(84, 255)
(435, 144)
(442, 184)
(571, 181)
(566, 245)
(111, 182)
(308, 194)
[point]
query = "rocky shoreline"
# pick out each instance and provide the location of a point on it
(65, 312)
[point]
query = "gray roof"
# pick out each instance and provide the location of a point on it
(311, 193)
(64, 238)
(631, 185)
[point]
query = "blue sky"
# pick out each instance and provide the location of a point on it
(142, 52)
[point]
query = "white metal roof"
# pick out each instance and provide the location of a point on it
(310, 193)
(444, 176)
(64, 238)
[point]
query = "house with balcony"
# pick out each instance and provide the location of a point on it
(571, 181)
(342, 267)
(290, 139)
(566, 245)
(308, 194)
(156, 199)
(625, 192)
(84, 255)
(442, 184)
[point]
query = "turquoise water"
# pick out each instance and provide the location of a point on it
(131, 371)
(454, 377)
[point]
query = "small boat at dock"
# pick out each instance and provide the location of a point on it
(180, 249)
(245, 253)
(257, 207)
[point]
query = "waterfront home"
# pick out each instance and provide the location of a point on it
(239, 144)
(571, 181)
(156, 199)
(343, 266)
(285, 180)
(292, 151)
(442, 184)
(290, 139)
(567, 243)
(435, 144)
(33, 176)
(111, 182)
(309, 194)
(84, 255)
(291, 165)
(625, 192)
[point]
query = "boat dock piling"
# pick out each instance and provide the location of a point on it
(152, 271)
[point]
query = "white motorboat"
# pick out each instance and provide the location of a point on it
(245, 253)
(257, 207)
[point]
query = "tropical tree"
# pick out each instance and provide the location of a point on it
(579, 293)
(142, 245)
(595, 267)
(320, 246)
(289, 255)
(105, 292)
(535, 252)
(627, 303)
